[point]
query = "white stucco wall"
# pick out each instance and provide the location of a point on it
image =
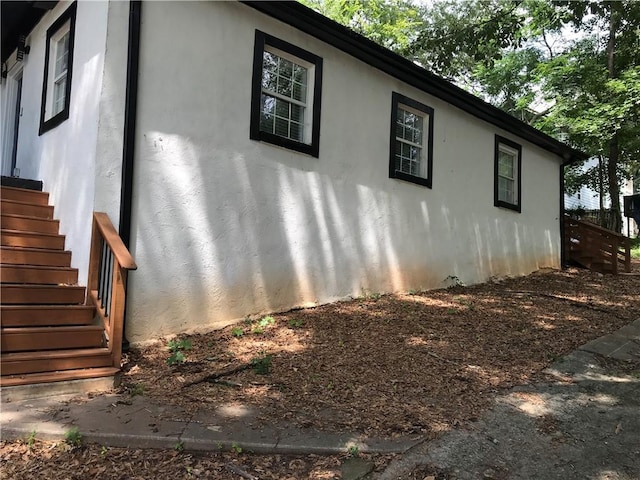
(64, 157)
(225, 226)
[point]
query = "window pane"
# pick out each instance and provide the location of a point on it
(410, 126)
(268, 104)
(300, 92)
(59, 94)
(506, 190)
(297, 132)
(284, 86)
(297, 113)
(282, 108)
(266, 123)
(506, 163)
(282, 127)
(62, 55)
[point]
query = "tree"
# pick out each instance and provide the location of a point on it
(390, 23)
(567, 67)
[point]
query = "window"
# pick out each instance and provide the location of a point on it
(508, 161)
(411, 153)
(285, 101)
(56, 89)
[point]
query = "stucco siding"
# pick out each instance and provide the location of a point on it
(224, 226)
(64, 157)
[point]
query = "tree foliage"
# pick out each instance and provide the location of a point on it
(390, 23)
(570, 68)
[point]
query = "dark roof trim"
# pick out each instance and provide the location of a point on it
(19, 18)
(325, 29)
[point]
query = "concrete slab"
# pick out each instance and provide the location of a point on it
(55, 389)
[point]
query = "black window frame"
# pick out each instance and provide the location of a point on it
(48, 124)
(262, 40)
(517, 207)
(396, 100)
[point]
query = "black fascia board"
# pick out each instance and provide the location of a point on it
(312, 23)
(19, 18)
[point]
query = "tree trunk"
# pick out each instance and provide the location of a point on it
(614, 150)
(601, 186)
(614, 188)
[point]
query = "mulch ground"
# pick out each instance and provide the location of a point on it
(382, 365)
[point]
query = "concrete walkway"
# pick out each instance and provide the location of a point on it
(125, 421)
(589, 417)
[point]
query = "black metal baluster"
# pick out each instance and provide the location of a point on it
(109, 283)
(102, 278)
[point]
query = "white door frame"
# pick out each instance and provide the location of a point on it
(14, 76)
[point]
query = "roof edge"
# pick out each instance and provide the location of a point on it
(323, 28)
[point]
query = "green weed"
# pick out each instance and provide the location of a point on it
(295, 323)
(177, 349)
(73, 438)
(236, 448)
(31, 438)
(237, 332)
(262, 364)
(179, 447)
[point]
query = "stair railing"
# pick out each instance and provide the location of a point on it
(604, 246)
(109, 265)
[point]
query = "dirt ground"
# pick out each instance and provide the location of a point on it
(382, 365)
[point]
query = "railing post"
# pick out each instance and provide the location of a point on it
(109, 264)
(116, 316)
(627, 255)
(614, 255)
(94, 260)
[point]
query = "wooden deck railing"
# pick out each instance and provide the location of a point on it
(109, 265)
(590, 244)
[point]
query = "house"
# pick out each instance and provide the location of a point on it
(587, 203)
(256, 156)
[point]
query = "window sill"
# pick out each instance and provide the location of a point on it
(425, 182)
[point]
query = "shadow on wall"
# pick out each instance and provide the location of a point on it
(220, 235)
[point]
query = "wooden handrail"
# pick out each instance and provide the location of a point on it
(109, 265)
(111, 236)
(590, 245)
(597, 228)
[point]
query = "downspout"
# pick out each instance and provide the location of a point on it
(128, 148)
(563, 253)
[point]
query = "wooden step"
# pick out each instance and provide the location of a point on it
(51, 338)
(26, 223)
(35, 256)
(39, 275)
(24, 195)
(49, 361)
(16, 238)
(45, 315)
(22, 208)
(41, 294)
(62, 376)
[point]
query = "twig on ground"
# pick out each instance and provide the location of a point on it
(577, 303)
(227, 383)
(440, 358)
(214, 377)
(238, 471)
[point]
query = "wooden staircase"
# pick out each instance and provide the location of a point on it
(49, 332)
(596, 248)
